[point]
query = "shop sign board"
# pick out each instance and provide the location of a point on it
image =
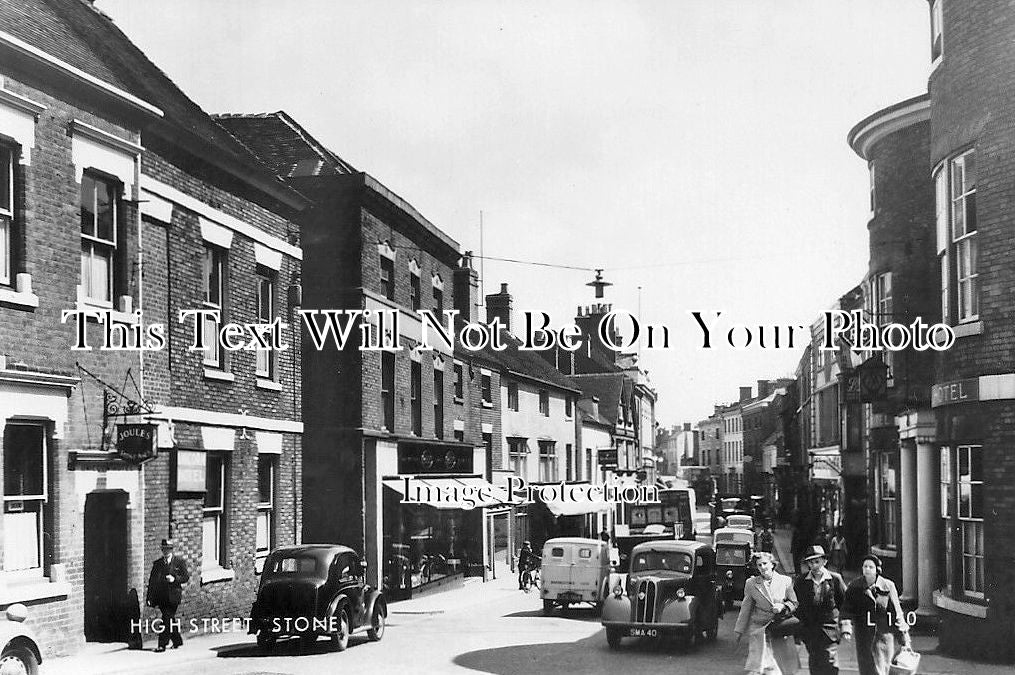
(190, 471)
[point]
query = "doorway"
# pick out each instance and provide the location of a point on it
(107, 610)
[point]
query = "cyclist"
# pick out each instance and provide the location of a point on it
(527, 561)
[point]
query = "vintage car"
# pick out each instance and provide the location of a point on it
(574, 570)
(20, 653)
(670, 590)
(740, 521)
(312, 590)
(734, 558)
(725, 506)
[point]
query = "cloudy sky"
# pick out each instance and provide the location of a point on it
(694, 149)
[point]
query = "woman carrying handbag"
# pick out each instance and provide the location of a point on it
(872, 601)
(767, 597)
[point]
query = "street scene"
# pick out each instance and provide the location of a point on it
(507, 336)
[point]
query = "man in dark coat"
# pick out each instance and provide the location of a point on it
(821, 594)
(165, 591)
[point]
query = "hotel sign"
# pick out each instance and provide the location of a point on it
(959, 391)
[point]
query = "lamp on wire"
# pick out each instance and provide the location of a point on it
(599, 283)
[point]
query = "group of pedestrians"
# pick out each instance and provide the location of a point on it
(819, 610)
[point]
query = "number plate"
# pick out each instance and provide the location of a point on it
(643, 632)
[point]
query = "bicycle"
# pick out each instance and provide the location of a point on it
(530, 578)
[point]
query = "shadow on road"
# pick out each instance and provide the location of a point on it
(285, 647)
(592, 654)
(587, 614)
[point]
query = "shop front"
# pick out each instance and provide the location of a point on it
(433, 529)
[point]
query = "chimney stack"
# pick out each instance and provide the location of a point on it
(764, 388)
(687, 426)
(466, 289)
(498, 305)
(745, 394)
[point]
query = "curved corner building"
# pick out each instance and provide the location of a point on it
(901, 285)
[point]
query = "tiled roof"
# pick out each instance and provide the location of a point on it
(78, 33)
(525, 363)
(285, 146)
(609, 388)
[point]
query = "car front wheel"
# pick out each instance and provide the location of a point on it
(377, 622)
(340, 638)
(18, 661)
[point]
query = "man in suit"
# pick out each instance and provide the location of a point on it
(165, 591)
(821, 594)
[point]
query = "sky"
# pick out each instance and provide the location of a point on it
(695, 150)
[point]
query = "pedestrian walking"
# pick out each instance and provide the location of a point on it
(872, 602)
(165, 591)
(838, 551)
(821, 594)
(768, 597)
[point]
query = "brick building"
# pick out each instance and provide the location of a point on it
(902, 284)
(376, 416)
(972, 151)
(122, 195)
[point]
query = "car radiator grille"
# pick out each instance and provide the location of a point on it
(645, 602)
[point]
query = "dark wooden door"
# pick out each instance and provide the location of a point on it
(107, 615)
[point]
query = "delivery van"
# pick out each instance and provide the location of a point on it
(574, 570)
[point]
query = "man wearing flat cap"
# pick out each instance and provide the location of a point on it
(165, 591)
(821, 593)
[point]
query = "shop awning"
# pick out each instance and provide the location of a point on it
(577, 508)
(450, 493)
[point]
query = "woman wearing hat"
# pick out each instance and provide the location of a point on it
(766, 596)
(872, 601)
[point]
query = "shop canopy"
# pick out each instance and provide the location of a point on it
(577, 508)
(450, 492)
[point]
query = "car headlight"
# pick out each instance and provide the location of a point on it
(729, 574)
(681, 594)
(618, 591)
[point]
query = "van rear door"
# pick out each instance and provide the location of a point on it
(556, 570)
(586, 569)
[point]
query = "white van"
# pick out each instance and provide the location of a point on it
(574, 570)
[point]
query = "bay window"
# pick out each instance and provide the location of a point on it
(963, 511)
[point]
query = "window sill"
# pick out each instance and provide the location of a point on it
(216, 574)
(967, 329)
(220, 375)
(27, 591)
(115, 316)
(944, 601)
(22, 300)
(487, 404)
(270, 385)
(459, 399)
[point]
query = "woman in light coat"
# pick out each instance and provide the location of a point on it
(765, 596)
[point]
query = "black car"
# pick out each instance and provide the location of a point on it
(670, 589)
(312, 590)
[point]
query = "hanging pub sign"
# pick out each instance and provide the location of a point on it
(135, 443)
(868, 383)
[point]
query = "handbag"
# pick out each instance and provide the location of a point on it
(783, 624)
(905, 662)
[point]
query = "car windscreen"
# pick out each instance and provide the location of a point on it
(303, 565)
(661, 560)
(730, 555)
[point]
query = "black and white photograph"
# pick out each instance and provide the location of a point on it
(507, 337)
